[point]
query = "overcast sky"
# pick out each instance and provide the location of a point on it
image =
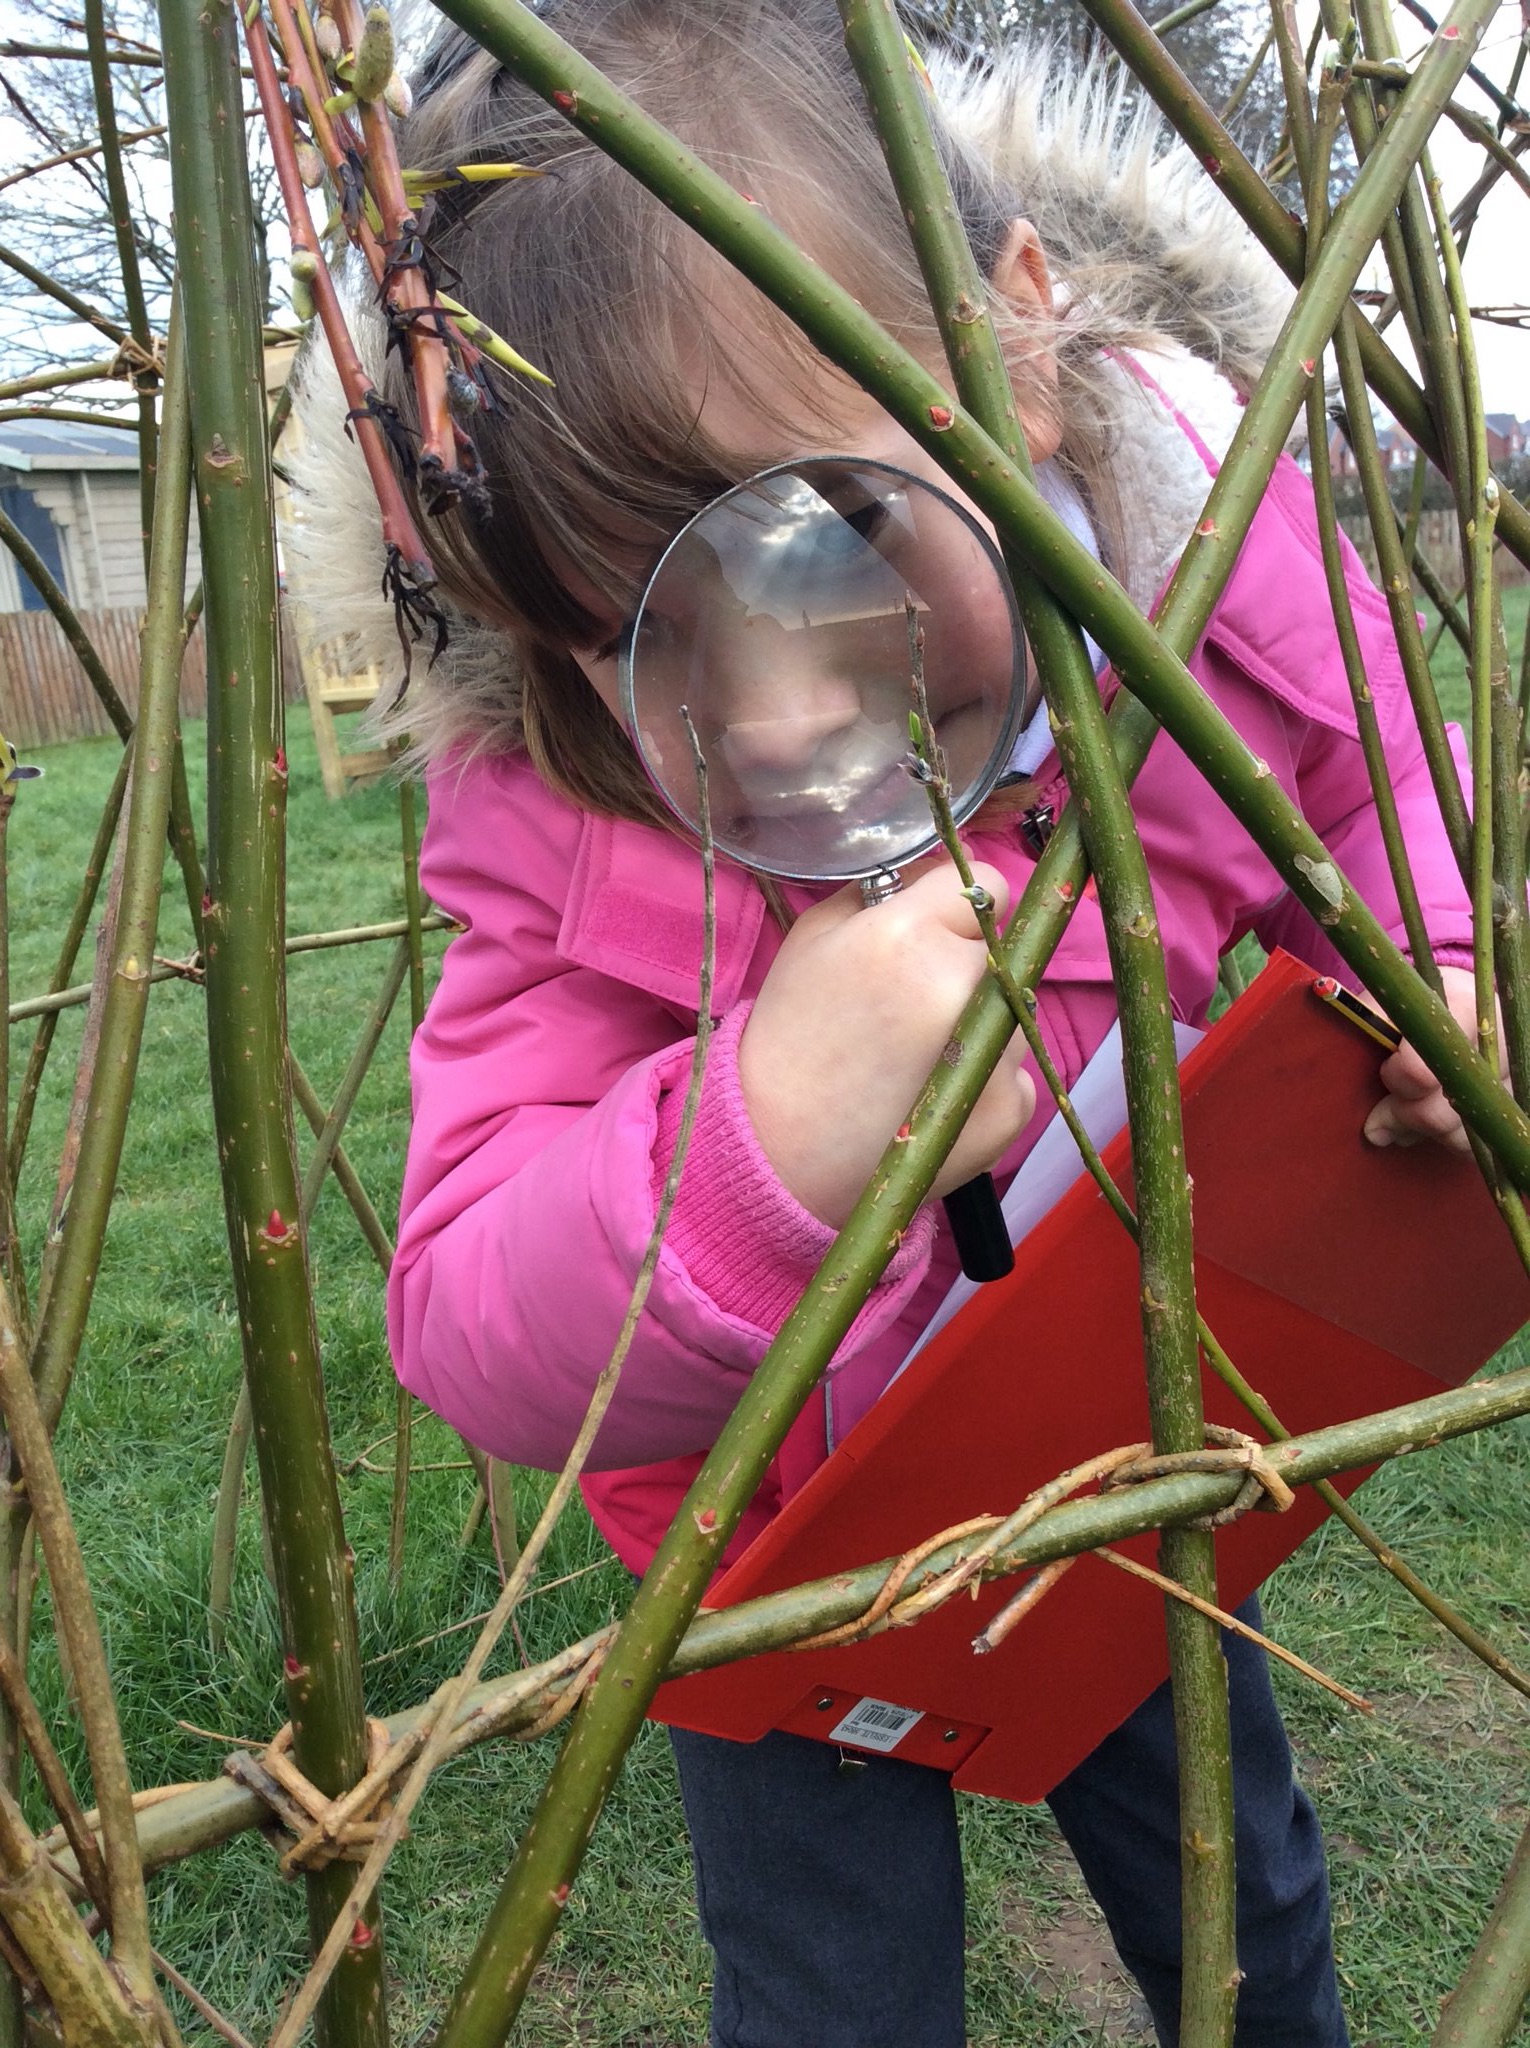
(1498, 259)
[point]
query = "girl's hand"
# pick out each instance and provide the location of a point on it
(1414, 1106)
(856, 1009)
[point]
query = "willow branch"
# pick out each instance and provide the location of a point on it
(52, 289)
(958, 295)
(1484, 2009)
(436, 1727)
(1281, 234)
(63, 1318)
(69, 373)
(74, 156)
(75, 1617)
(120, 209)
(189, 1819)
(243, 926)
(84, 649)
(350, 1086)
(399, 529)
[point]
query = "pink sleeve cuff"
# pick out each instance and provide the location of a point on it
(746, 1241)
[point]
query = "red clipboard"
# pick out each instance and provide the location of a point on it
(1340, 1278)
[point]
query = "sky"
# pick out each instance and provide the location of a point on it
(1497, 266)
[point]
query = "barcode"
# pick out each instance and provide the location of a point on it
(875, 1724)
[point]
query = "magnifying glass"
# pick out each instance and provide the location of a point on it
(776, 628)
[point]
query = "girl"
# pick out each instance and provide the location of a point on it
(550, 1072)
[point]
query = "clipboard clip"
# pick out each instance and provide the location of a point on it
(1346, 1004)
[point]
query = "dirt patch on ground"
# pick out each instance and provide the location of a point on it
(1075, 1960)
(1466, 1709)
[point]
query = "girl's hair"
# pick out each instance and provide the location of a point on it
(635, 318)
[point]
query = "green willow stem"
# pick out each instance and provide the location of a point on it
(1181, 15)
(13, 1266)
(27, 1716)
(92, 2006)
(1313, 144)
(225, 1527)
(1282, 235)
(120, 207)
(414, 907)
(1498, 842)
(371, 1225)
(403, 1400)
(1394, 563)
(63, 1318)
(75, 1618)
(84, 648)
(440, 1716)
(66, 415)
(203, 1816)
(1407, 244)
(243, 944)
(517, 1935)
(51, 288)
(305, 942)
(959, 297)
(1484, 2009)
(350, 1086)
(51, 380)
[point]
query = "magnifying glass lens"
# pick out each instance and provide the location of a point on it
(778, 619)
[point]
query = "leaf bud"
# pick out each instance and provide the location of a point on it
(397, 97)
(326, 33)
(304, 268)
(310, 166)
(373, 64)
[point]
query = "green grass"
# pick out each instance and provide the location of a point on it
(1423, 1801)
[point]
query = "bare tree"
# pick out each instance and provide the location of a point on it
(55, 209)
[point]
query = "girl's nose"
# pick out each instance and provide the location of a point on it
(785, 737)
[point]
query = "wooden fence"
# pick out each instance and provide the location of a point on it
(46, 697)
(1439, 542)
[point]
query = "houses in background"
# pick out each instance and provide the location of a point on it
(73, 491)
(1507, 437)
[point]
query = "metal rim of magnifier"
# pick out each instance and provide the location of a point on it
(964, 804)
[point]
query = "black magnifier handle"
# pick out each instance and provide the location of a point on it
(978, 1226)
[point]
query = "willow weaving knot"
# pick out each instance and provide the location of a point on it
(1227, 1450)
(895, 1606)
(324, 1830)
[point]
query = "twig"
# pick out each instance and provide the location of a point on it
(80, 1632)
(435, 1731)
(1231, 1621)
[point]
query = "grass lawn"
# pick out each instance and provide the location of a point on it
(1423, 1802)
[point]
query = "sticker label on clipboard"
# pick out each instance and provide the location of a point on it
(875, 1724)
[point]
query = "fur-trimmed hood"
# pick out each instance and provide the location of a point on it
(1114, 199)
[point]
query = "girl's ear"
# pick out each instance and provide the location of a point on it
(1022, 274)
(1023, 279)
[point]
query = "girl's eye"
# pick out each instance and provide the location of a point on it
(867, 520)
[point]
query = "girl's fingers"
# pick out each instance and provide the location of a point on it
(1405, 1075)
(1398, 1120)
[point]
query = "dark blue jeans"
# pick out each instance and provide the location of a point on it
(833, 1902)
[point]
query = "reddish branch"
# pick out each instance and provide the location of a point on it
(399, 530)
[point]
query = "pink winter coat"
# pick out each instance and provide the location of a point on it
(549, 1072)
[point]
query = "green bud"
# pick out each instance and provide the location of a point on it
(373, 63)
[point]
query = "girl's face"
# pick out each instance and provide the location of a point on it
(803, 729)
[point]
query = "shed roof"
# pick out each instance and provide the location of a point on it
(65, 444)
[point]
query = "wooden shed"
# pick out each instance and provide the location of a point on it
(73, 491)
